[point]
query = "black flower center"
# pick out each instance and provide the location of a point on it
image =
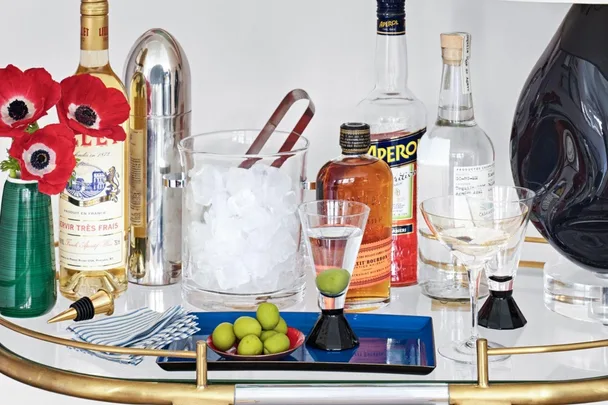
(40, 159)
(17, 110)
(85, 115)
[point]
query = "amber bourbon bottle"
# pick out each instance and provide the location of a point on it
(398, 120)
(358, 176)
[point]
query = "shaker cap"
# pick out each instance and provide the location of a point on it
(355, 138)
(160, 59)
(455, 47)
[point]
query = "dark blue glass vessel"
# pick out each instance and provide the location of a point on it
(559, 139)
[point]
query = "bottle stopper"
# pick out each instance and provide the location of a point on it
(455, 47)
(86, 308)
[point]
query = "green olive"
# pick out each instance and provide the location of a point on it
(250, 345)
(267, 315)
(333, 282)
(223, 336)
(266, 334)
(246, 325)
(281, 326)
(277, 343)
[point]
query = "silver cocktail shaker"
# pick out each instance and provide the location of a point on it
(157, 80)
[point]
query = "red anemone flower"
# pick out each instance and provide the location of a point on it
(89, 107)
(47, 156)
(24, 98)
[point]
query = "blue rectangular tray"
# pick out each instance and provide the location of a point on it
(387, 344)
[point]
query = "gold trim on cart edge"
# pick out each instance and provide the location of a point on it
(201, 393)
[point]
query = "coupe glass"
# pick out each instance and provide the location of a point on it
(474, 230)
(333, 230)
(500, 311)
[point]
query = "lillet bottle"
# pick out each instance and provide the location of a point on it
(455, 157)
(398, 120)
(358, 176)
(92, 210)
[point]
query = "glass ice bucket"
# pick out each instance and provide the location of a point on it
(241, 233)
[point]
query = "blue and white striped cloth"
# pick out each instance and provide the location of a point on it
(142, 328)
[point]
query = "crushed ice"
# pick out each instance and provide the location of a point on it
(244, 231)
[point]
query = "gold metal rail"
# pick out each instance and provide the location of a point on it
(112, 390)
(202, 393)
(575, 392)
(535, 239)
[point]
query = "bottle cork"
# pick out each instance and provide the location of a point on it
(453, 47)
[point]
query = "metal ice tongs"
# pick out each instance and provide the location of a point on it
(275, 119)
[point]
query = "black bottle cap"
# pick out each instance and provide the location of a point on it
(393, 7)
(355, 138)
(391, 17)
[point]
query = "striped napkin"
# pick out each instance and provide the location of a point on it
(142, 328)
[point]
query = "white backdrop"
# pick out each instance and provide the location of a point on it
(246, 54)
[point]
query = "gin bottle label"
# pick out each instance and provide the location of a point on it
(473, 180)
(91, 224)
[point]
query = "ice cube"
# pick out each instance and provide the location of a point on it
(238, 180)
(257, 217)
(194, 209)
(283, 245)
(241, 202)
(278, 180)
(219, 206)
(206, 182)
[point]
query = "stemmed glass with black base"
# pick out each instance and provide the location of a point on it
(333, 230)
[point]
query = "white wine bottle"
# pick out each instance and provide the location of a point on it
(93, 216)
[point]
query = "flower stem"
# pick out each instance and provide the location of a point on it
(33, 127)
(12, 173)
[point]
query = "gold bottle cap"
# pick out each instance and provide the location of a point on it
(455, 47)
(93, 7)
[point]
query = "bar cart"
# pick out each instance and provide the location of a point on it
(549, 363)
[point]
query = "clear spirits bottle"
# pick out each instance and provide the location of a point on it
(357, 176)
(455, 157)
(92, 242)
(398, 120)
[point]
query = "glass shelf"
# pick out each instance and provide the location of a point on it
(450, 322)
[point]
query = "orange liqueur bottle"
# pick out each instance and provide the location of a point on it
(358, 176)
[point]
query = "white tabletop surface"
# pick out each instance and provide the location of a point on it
(450, 323)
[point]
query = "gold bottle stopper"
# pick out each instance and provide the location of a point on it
(86, 308)
(455, 47)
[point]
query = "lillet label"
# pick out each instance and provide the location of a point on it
(90, 216)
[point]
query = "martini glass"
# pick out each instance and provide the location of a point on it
(474, 230)
(333, 230)
(500, 311)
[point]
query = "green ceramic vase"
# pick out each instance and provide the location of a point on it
(27, 253)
